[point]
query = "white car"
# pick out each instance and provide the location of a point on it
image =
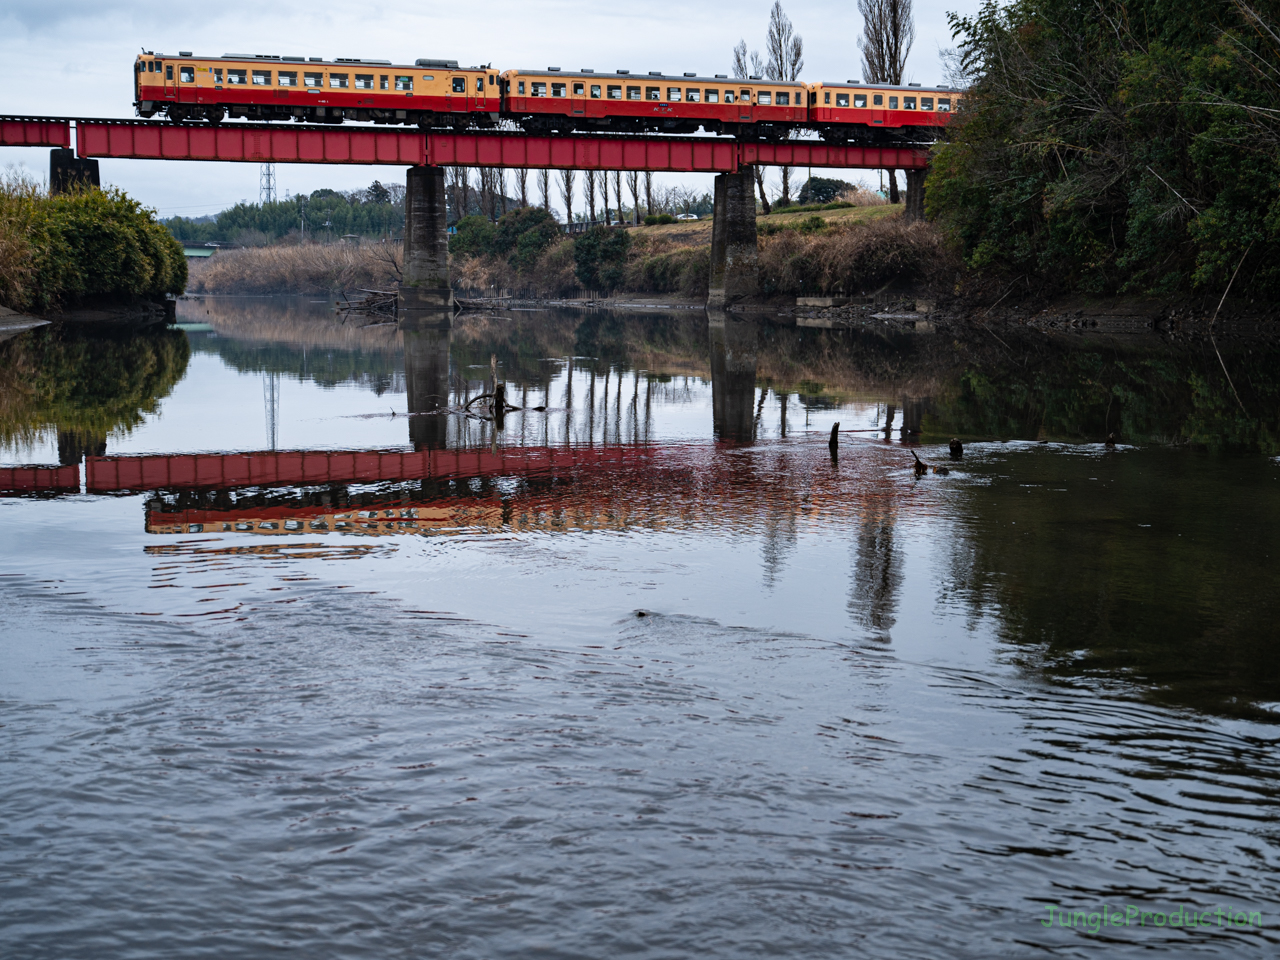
(686, 216)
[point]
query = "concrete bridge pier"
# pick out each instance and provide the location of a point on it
(425, 285)
(735, 268)
(734, 353)
(426, 376)
(915, 195)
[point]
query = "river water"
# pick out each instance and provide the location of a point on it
(301, 659)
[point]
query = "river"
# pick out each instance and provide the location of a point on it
(305, 657)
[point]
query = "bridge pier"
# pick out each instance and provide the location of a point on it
(425, 284)
(915, 194)
(67, 171)
(735, 268)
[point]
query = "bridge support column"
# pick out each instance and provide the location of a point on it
(425, 285)
(67, 171)
(915, 195)
(735, 268)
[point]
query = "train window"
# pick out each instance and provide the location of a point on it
(338, 81)
(633, 93)
(860, 100)
(745, 95)
(615, 92)
(240, 76)
(520, 88)
(784, 99)
(364, 81)
(428, 77)
(713, 96)
(926, 103)
(826, 97)
(168, 72)
(693, 96)
(293, 524)
(653, 93)
(318, 525)
(459, 85)
(764, 98)
(217, 75)
(728, 96)
(262, 78)
(195, 528)
(595, 91)
(944, 105)
(893, 103)
(492, 80)
(557, 89)
(673, 94)
(402, 83)
(382, 82)
(842, 99)
(147, 66)
(286, 78)
(579, 90)
(908, 103)
(317, 79)
(479, 84)
(878, 100)
(537, 89)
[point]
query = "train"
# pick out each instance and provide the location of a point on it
(441, 95)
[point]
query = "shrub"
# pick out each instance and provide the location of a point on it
(59, 251)
(600, 258)
(474, 237)
(522, 235)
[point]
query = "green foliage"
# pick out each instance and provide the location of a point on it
(655, 219)
(474, 237)
(521, 235)
(1116, 146)
(374, 212)
(96, 244)
(818, 190)
(600, 258)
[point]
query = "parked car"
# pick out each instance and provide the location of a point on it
(686, 216)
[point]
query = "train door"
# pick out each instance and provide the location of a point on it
(187, 82)
(456, 96)
(170, 83)
(746, 106)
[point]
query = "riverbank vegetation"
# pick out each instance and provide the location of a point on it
(1116, 147)
(84, 246)
(314, 268)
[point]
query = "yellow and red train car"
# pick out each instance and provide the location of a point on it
(430, 93)
(440, 94)
(550, 100)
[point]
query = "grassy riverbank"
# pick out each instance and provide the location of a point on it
(87, 247)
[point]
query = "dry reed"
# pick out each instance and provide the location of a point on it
(313, 268)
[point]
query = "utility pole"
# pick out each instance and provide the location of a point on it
(267, 184)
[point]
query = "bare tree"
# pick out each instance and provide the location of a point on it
(544, 187)
(566, 193)
(617, 191)
(589, 193)
(648, 192)
(633, 184)
(785, 50)
(522, 178)
(502, 188)
(746, 66)
(888, 31)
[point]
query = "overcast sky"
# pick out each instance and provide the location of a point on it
(75, 57)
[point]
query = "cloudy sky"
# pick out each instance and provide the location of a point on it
(74, 58)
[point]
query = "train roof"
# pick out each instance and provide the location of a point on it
(886, 86)
(654, 75)
(336, 61)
